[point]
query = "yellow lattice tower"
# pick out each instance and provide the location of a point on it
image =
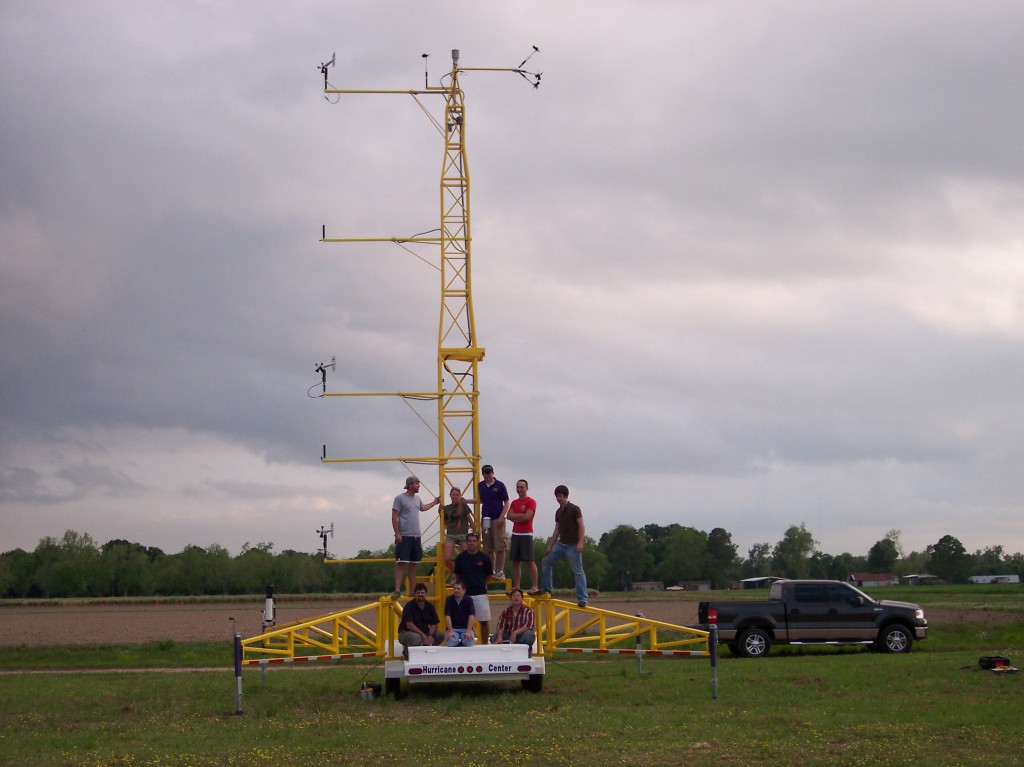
(458, 352)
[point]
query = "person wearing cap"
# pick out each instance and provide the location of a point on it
(492, 495)
(566, 541)
(405, 519)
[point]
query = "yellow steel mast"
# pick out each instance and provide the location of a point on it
(458, 352)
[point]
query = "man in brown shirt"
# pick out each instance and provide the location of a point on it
(566, 541)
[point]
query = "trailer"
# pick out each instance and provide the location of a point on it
(481, 663)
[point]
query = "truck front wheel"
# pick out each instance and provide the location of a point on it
(754, 643)
(895, 638)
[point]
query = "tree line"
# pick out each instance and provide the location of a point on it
(75, 566)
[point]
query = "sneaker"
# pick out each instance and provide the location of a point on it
(452, 579)
(581, 604)
(500, 575)
(396, 594)
(533, 592)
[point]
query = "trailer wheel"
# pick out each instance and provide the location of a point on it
(393, 687)
(895, 638)
(754, 643)
(534, 684)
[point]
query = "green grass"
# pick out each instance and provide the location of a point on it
(800, 707)
(164, 654)
(845, 708)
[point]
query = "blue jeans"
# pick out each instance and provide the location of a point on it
(462, 638)
(575, 559)
(526, 637)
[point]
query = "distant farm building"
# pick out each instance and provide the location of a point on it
(994, 579)
(760, 582)
(691, 586)
(648, 585)
(921, 579)
(868, 580)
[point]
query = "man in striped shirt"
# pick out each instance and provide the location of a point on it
(516, 623)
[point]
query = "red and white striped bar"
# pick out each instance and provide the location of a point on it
(309, 658)
(598, 651)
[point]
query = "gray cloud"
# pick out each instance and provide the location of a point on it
(733, 266)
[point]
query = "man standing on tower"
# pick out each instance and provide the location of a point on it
(492, 495)
(566, 541)
(405, 519)
(522, 512)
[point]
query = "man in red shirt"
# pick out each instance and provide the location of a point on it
(522, 511)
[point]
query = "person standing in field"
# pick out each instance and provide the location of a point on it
(522, 512)
(566, 541)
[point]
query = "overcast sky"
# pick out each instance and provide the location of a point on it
(740, 265)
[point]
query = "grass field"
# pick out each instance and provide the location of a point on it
(798, 707)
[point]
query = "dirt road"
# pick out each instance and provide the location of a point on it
(114, 624)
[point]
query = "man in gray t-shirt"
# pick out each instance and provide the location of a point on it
(405, 519)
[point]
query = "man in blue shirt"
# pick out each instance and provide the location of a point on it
(492, 495)
(459, 618)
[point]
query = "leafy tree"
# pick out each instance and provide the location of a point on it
(916, 562)
(657, 538)
(990, 561)
(882, 556)
(759, 561)
(185, 573)
(948, 559)
(625, 549)
(836, 568)
(126, 569)
(299, 573)
(595, 565)
(723, 562)
(685, 557)
(368, 578)
(791, 556)
(17, 568)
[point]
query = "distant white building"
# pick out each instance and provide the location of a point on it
(760, 582)
(994, 579)
(920, 579)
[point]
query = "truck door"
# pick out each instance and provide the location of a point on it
(851, 621)
(807, 615)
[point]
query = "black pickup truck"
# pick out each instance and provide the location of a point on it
(814, 612)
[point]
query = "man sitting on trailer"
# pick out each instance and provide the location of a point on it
(420, 622)
(459, 618)
(516, 622)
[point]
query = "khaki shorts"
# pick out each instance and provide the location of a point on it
(482, 607)
(457, 538)
(494, 539)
